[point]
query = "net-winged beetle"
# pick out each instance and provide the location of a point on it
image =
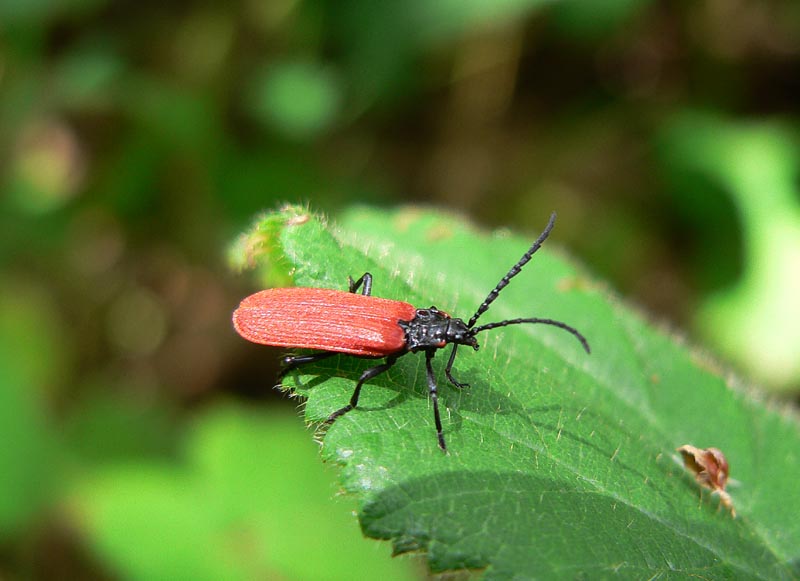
(365, 326)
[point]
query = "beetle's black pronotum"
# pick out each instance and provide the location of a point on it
(371, 327)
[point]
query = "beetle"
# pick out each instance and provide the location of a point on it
(361, 325)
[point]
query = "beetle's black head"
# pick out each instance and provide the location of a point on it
(433, 329)
(460, 334)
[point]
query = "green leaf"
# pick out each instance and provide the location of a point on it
(561, 464)
(31, 358)
(756, 320)
(249, 502)
(299, 99)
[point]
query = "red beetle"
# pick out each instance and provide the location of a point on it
(365, 326)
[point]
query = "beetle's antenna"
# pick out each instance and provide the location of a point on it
(558, 324)
(513, 272)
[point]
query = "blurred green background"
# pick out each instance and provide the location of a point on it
(140, 437)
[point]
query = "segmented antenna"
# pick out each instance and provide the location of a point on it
(513, 272)
(558, 324)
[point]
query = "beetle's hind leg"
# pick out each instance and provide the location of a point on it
(291, 362)
(366, 376)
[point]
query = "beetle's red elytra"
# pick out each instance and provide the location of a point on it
(330, 320)
(361, 325)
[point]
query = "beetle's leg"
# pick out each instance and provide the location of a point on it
(434, 398)
(366, 280)
(449, 367)
(366, 376)
(291, 362)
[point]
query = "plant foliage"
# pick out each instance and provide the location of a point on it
(561, 464)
